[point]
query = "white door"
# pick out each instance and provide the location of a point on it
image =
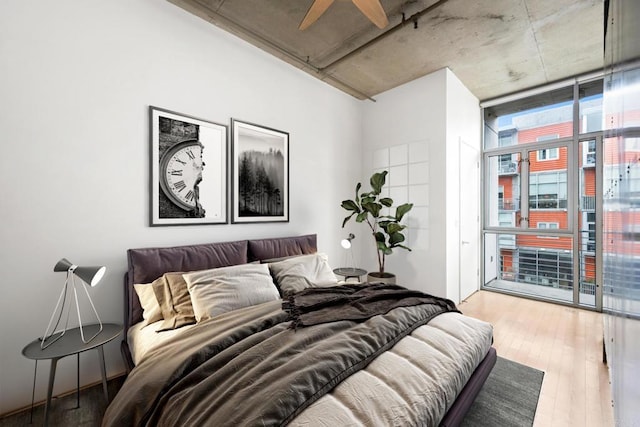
(469, 220)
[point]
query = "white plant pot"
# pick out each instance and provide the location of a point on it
(374, 277)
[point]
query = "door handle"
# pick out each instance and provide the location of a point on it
(464, 242)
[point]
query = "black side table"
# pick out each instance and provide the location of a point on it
(71, 343)
(350, 273)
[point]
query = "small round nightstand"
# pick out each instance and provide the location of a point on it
(71, 343)
(350, 272)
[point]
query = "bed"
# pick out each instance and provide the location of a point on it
(232, 357)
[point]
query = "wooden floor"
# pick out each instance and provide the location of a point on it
(564, 342)
(65, 411)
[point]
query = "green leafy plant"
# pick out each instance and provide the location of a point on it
(386, 229)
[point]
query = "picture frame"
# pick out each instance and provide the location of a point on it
(260, 173)
(188, 169)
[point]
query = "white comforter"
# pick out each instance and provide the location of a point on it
(417, 380)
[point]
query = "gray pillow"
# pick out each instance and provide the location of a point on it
(302, 272)
(220, 290)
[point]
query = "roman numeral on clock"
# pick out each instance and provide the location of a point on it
(180, 185)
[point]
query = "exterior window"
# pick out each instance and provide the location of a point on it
(632, 144)
(537, 241)
(548, 190)
(507, 165)
(548, 154)
(632, 233)
(589, 232)
(507, 136)
(548, 225)
(589, 153)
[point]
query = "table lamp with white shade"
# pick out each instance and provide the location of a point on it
(88, 276)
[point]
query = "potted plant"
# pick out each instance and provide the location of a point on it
(385, 229)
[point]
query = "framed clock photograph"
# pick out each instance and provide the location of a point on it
(260, 163)
(189, 177)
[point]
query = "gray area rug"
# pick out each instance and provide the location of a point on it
(508, 398)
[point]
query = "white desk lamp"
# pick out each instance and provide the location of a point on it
(87, 275)
(346, 243)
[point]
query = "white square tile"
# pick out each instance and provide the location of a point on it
(418, 151)
(418, 217)
(419, 173)
(399, 195)
(398, 155)
(398, 175)
(419, 194)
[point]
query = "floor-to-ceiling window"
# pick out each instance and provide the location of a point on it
(541, 189)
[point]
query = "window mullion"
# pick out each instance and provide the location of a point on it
(524, 189)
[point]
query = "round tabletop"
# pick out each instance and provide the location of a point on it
(71, 342)
(349, 272)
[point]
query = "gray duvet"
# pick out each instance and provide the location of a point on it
(249, 368)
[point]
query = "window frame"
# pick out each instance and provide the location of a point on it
(525, 150)
(549, 157)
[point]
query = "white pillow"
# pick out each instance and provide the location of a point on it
(307, 271)
(220, 290)
(150, 307)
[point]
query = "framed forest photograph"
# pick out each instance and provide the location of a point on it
(189, 177)
(260, 173)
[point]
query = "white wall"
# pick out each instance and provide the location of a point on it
(429, 116)
(413, 114)
(77, 80)
(463, 127)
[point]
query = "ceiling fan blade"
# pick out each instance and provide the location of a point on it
(373, 10)
(315, 11)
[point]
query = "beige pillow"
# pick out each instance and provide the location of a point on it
(150, 307)
(220, 290)
(307, 271)
(174, 300)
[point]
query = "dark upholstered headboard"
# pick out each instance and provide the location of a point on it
(147, 264)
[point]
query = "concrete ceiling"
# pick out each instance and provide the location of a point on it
(495, 47)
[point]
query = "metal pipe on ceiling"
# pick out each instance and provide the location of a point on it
(205, 11)
(412, 19)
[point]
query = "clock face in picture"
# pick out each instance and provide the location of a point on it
(180, 172)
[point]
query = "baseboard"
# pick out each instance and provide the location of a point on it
(60, 395)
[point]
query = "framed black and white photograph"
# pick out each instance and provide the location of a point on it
(260, 173)
(189, 178)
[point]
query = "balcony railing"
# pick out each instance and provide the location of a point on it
(588, 240)
(546, 202)
(588, 203)
(509, 204)
(546, 281)
(509, 168)
(589, 160)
